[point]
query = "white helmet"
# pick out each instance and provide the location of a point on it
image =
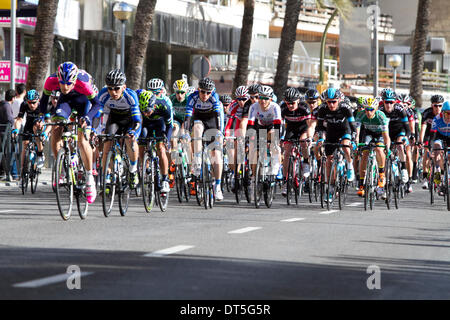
(241, 92)
(155, 84)
(266, 91)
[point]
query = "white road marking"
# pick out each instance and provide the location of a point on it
(328, 212)
(165, 252)
(4, 211)
(49, 280)
(354, 204)
(293, 220)
(243, 230)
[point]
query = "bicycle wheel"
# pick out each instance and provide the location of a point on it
(54, 176)
(389, 184)
(258, 185)
(372, 186)
(446, 177)
(342, 190)
(205, 181)
(246, 183)
(64, 184)
(34, 176)
(163, 199)
(80, 191)
(431, 185)
(238, 188)
(109, 185)
(25, 172)
(332, 189)
(290, 180)
(270, 190)
(148, 182)
(367, 184)
(124, 189)
(322, 181)
(179, 182)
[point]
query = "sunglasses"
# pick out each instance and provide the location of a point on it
(388, 102)
(32, 102)
(114, 88)
(369, 109)
(263, 98)
(312, 101)
(56, 98)
(64, 82)
(332, 101)
(180, 92)
(205, 92)
(241, 99)
(226, 104)
(253, 97)
(437, 105)
(290, 103)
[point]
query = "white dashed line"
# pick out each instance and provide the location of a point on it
(328, 212)
(49, 280)
(4, 211)
(244, 230)
(354, 204)
(165, 252)
(293, 220)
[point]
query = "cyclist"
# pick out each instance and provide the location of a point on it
(373, 125)
(33, 124)
(297, 118)
(226, 101)
(312, 99)
(157, 115)
(205, 110)
(265, 115)
(122, 116)
(399, 128)
(427, 119)
(440, 136)
(336, 121)
(179, 100)
(77, 94)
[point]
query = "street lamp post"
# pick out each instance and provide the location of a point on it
(122, 11)
(394, 62)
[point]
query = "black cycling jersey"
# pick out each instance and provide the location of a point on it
(427, 117)
(398, 121)
(336, 122)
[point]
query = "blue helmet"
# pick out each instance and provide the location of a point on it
(67, 72)
(312, 94)
(446, 106)
(388, 95)
(32, 95)
(331, 93)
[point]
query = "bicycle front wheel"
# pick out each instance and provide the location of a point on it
(109, 185)
(148, 182)
(258, 187)
(80, 191)
(124, 190)
(34, 177)
(64, 184)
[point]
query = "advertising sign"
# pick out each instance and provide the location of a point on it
(5, 71)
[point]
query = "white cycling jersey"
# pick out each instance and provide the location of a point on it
(265, 118)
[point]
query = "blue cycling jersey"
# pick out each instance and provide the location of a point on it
(127, 104)
(440, 126)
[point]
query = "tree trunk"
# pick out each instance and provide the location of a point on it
(286, 49)
(418, 52)
(322, 45)
(241, 74)
(42, 44)
(139, 42)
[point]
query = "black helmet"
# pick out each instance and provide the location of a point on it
(291, 94)
(437, 98)
(206, 84)
(115, 78)
(225, 99)
(254, 88)
(312, 94)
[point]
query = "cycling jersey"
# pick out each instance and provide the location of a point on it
(378, 124)
(209, 112)
(270, 118)
(440, 131)
(427, 117)
(160, 120)
(179, 108)
(398, 122)
(77, 98)
(336, 122)
(296, 120)
(31, 117)
(236, 114)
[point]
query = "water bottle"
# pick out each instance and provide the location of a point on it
(32, 156)
(74, 158)
(395, 169)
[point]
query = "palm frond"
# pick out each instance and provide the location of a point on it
(344, 7)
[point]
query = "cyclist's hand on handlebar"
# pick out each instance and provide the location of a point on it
(14, 133)
(43, 136)
(85, 122)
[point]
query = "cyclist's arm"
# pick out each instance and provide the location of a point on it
(422, 131)
(387, 140)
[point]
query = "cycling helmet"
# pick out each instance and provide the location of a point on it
(388, 95)
(32, 95)
(266, 91)
(446, 106)
(405, 98)
(370, 103)
(331, 93)
(437, 98)
(254, 88)
(291, 95)
(241, 92)
(225, 99)
(190, 90)
(146, 101)
(312, 94)
(115, 78)
(180, 85)
(155, 84)
(55, 93)
(67, 72)
(206, 84)
(361, 101)
(347, 100)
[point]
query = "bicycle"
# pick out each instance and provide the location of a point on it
(204, 183)
(151, 177)
(339, 168)
(242, 179)
(393, 179)
(443, 189)
(30, 171)
(116, 175)
(70, 177)
(264, 183)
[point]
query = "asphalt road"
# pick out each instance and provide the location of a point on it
(230, 252)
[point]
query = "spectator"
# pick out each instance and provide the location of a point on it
(6, 116)
(20, 95)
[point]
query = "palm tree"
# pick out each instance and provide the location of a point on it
(139, 42)
(418, 52)
(42, 44)
(286, 48)
(241, 74)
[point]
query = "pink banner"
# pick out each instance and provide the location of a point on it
(21, 22)
(21, 72)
